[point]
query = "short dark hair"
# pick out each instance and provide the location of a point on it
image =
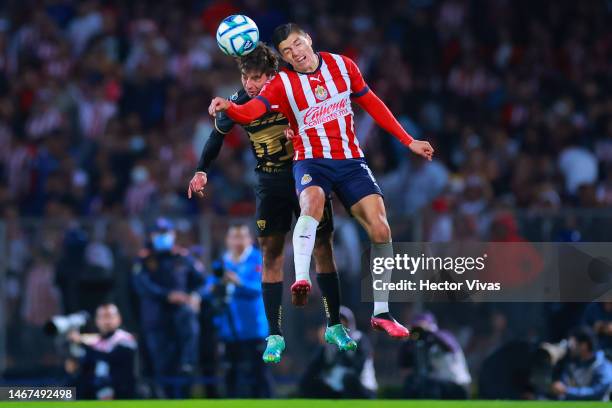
(262, 59)
(283, 31)
(585, 334)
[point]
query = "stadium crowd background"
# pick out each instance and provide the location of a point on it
(103, 114)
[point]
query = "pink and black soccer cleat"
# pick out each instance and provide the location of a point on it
(389, 326)
(299, 292)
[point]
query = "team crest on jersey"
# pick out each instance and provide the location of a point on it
(234, 96)
(321, 93)
(306, 179)
(261, 224)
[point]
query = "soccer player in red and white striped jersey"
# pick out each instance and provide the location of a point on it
(315, 94)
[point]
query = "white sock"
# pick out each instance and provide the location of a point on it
(380, 307)
(304, 235)
(381, 298)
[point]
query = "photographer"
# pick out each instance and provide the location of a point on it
(166, 279)
(433, 363)
(598, 316)
(234, 290)
(584, 373)
(104, 364)
(341, 374)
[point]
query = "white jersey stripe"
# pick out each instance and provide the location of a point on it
(333, 90)
(312, 101)
(355, 140)
(345, 75)
(343, 70)
(294, 108)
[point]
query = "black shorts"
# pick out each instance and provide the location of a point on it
(277, 202)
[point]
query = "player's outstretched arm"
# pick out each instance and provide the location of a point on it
(242, 114)
(386, 120)
(209, 154)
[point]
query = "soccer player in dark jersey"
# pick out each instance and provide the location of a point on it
(277, 203)
(315, 94)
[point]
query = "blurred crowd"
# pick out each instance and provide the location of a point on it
(103, 103)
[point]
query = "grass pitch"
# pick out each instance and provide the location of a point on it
(297, 403)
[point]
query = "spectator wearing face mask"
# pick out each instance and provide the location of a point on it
(166, 278)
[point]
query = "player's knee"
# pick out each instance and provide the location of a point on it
(323, 246)
(272, 249)
(312, 201)
(324, 255)
(272, 270)
(380, 232)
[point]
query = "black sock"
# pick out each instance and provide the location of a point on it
(273, 303)
(330, 290)
(385, 315)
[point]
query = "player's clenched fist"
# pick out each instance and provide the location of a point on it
(422, 148)
(218, 105)
(197, 183)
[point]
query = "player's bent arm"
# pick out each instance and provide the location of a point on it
(211, 150)
(253, 109)
(381, 114)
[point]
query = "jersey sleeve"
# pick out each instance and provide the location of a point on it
(358, 84)
(211, 150)
(272, 98)
(223, 123)
(273, 95)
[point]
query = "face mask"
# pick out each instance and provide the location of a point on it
(140, 175)
(163, 241)
(137, 143)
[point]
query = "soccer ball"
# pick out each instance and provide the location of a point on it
(237, 35)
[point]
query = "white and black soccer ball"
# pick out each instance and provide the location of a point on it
(237, 35)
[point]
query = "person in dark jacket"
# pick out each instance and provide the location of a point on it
(106, 368)
(585, 373)
(432, 362)
(166, 279)
(598, 316)
(341, 374)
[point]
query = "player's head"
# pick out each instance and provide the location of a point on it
(238, 238)
(108, 318)
(256, 68)
(583, 343)
(295, 47)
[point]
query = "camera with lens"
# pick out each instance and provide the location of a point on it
(220, 295)
(62, 324)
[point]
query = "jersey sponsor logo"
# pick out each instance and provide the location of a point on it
(321, 93)
(261, 224)
(327, 111)
(315, 78)
(306, 178)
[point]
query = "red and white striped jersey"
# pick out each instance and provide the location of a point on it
(318, 106)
